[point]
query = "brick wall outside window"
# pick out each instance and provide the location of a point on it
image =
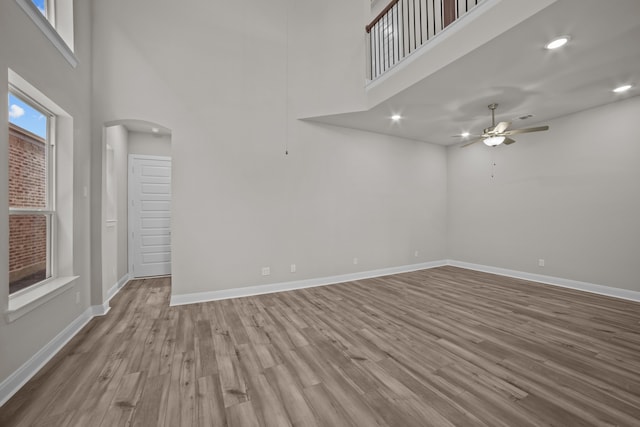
(27, 172)
(27, 189)
(27, 246)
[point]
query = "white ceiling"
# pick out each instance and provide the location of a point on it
(141, 126)
(516, 71)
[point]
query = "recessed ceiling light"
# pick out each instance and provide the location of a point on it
(396, 117)
(464, 134)
(155, 130)
(622, 88)
(557, 42)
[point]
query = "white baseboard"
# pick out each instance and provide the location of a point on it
(549, 280)
(19, 378)
(24, 373)
(298, 284)
(199, 297)
(119, 285)
(100, 310)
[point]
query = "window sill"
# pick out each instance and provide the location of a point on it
(48, 30)
(30, 299)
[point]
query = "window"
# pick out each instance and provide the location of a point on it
(40, 212)
(46, 8)
(31, 192)
(55, 19)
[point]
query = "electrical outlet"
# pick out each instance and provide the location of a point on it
(78, 297)
(355, 261)
(266, 271)
(540, 262)
(415, 254)
(293, 268)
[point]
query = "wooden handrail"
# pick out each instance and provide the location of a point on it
(381, 15)
(449, 13)
(404, 26)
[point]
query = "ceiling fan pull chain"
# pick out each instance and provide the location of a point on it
(493, 163)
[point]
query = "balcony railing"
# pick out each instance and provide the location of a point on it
(405, 25)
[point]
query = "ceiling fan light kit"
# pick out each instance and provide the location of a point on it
(493, 141)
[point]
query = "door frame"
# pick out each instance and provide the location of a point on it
(130, 217)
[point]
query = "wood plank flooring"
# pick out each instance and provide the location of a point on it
(438, 347)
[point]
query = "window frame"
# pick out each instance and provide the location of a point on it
(20, 304)
(49, 211)
(49, 11)
(59, 14)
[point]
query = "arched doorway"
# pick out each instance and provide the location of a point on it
(136, 200)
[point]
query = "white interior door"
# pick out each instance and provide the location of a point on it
(149, 215)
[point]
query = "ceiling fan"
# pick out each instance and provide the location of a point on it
(499, 134)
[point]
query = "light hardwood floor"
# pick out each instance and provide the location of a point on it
(438, 347)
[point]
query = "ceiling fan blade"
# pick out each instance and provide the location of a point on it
(465, 136)
(508, 141)
(501, 127)
(472, 142)
(526, 130)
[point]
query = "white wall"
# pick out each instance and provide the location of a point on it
(326, 56)
(570, 196)
(26, 51)
(109, 223)
(239, 202)
(149, 144)
(114, 206)
(122, 184)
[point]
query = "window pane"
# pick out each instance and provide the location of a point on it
(27, 250)
(27, 155)
(41, 5)
(24, 115)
